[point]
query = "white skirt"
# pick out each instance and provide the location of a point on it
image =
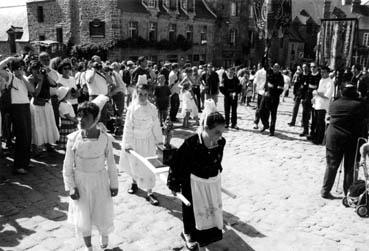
(207, 202)
(95, 206)
(44, 128)
(139, 172)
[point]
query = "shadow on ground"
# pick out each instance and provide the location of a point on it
(232, 225)
(36, 194)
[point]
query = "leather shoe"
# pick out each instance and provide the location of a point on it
(264, 128)
(303, 134)
(271, 134)
(291, 124)
(152, 199)
(235, 127)
(328, 196)
(133, 189)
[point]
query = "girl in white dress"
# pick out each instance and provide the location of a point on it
(141, 133)
(90, 175)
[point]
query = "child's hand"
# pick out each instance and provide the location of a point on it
(113, 192)
(75, 195)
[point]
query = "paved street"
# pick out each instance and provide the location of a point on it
(277, 181)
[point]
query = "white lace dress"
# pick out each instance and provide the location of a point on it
(89, 166)
(142, 133)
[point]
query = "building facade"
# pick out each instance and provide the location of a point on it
(163, 30)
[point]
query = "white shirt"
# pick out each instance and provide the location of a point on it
(19, 92)
(172, 79)
(98, 84)
(325, 87)
(66, 108)
(260, 79)
(220, 73)
(287, 82)
(70, 83)
(118, 82)
(54, 75)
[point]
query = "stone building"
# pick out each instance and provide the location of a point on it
(129, 23)
(236, 40)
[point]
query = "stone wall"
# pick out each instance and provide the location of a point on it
(5, 48)
(57, 14)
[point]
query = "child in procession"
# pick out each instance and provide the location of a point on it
(90, 175)
(141, 133)
(68, 118)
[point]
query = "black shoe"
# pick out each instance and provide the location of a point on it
(264, 128)
(309, 137)
(190, 244)
(256, 127)
(328, 196)
(133, 189)
(291, 124)
(271, 134)
(303, 134)
(152, 199)
(226, 126)
(235, 127)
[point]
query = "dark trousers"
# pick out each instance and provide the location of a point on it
(269, 107)
(55, 104)
(306, 113)
(118, 101)
(174, 106)
(334, 158)
(258, 106)
(21, 118)
(230, 105)
(319, 126)
(196, 92)
(295, 109)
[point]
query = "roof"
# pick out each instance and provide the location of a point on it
(13, 15)
(202, 10)
(133, 6)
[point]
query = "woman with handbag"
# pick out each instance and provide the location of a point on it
(18, 89)
(44, 130)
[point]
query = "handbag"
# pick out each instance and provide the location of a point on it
(6, 97)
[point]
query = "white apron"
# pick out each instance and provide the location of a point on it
(207, 202)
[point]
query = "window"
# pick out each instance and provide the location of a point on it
(190, 5)
(232, 37)
(173, 4)
(203, 34)
(366, 39)
(189, 59)
(133, 30)
(153, 31)
(172, 32)
(40, 14)
(234, 9)
(203, 58)
(189, 33)
(59, 35)
(97, 28)
(41, 37)
(151, 3)
(196, 58)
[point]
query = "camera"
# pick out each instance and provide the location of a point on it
(97, 66)
(43, 71)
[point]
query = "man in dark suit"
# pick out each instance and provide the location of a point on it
(347, 123)
(273, 89)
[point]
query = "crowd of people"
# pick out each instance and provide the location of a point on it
(76, 105)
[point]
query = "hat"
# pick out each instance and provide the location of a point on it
(100, 101)
(129, 62)
(62, 92)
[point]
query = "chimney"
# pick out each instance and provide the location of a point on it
(326, 9)
(356, 5)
